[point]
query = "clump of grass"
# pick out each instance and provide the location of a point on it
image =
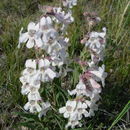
(115, 16)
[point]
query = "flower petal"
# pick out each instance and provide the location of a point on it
(30, 43)
(39, 42)
(62, 110)
(31, 26)
(45, 63)
(49, 21)
(30, 64)
(27, 106)
(66, 115)
(94, 83)
(43, 21)
(51, 73)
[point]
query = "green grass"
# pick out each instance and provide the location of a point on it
(113, 111)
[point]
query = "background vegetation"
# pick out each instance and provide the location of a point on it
(115, 15)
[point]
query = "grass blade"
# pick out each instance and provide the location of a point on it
(123, 112)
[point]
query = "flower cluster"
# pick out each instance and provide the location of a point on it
(96, 42)
(87, 91)
(51, 54)
(36, 71)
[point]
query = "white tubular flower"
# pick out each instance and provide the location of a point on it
(30, 64)
(45, 107)
(54, 48)
(47, 74)
(32, 28)
(34, 94)
(96, 42)
(69, 3)
(59, 56)
(63, 42)
(80, 89)
(62, 17)
(48, 37)
(73, 124)
(30, 36)
(95, 97)
(32, 106)
(44, 63)
(92, 107)
(23, 37)
(56, 61)
(25, 89)
(24, 79)
(32, 85)
(30, 67)
(68, 109)
(81, 110)
(100, 74)
(94, 84)
(45, 23)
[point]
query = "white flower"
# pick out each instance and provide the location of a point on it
(32, 106)
(30, 64)
(95, 97)
(54, 48)
(100, 74)
(62, 17)
(59, 57)
(81, 110)
(93, 107)
(30, 83)
(25, 89)
(23, 37)
(44, 64)
(73, 123)
(96, 42)
(68, 109)
(47, 74)
(63, 42)
(80, 90)
(30, 67)
(69, 3)
(45, 107)
(56, 61)
(34, 94)
(35, 80)
(94, 84)
(30, 36)
(45, 23)
(24, 79)
(48, 37)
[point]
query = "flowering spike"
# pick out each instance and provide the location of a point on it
(51, 53)
(88, 89)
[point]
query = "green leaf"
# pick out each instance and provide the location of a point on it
(123, 112)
